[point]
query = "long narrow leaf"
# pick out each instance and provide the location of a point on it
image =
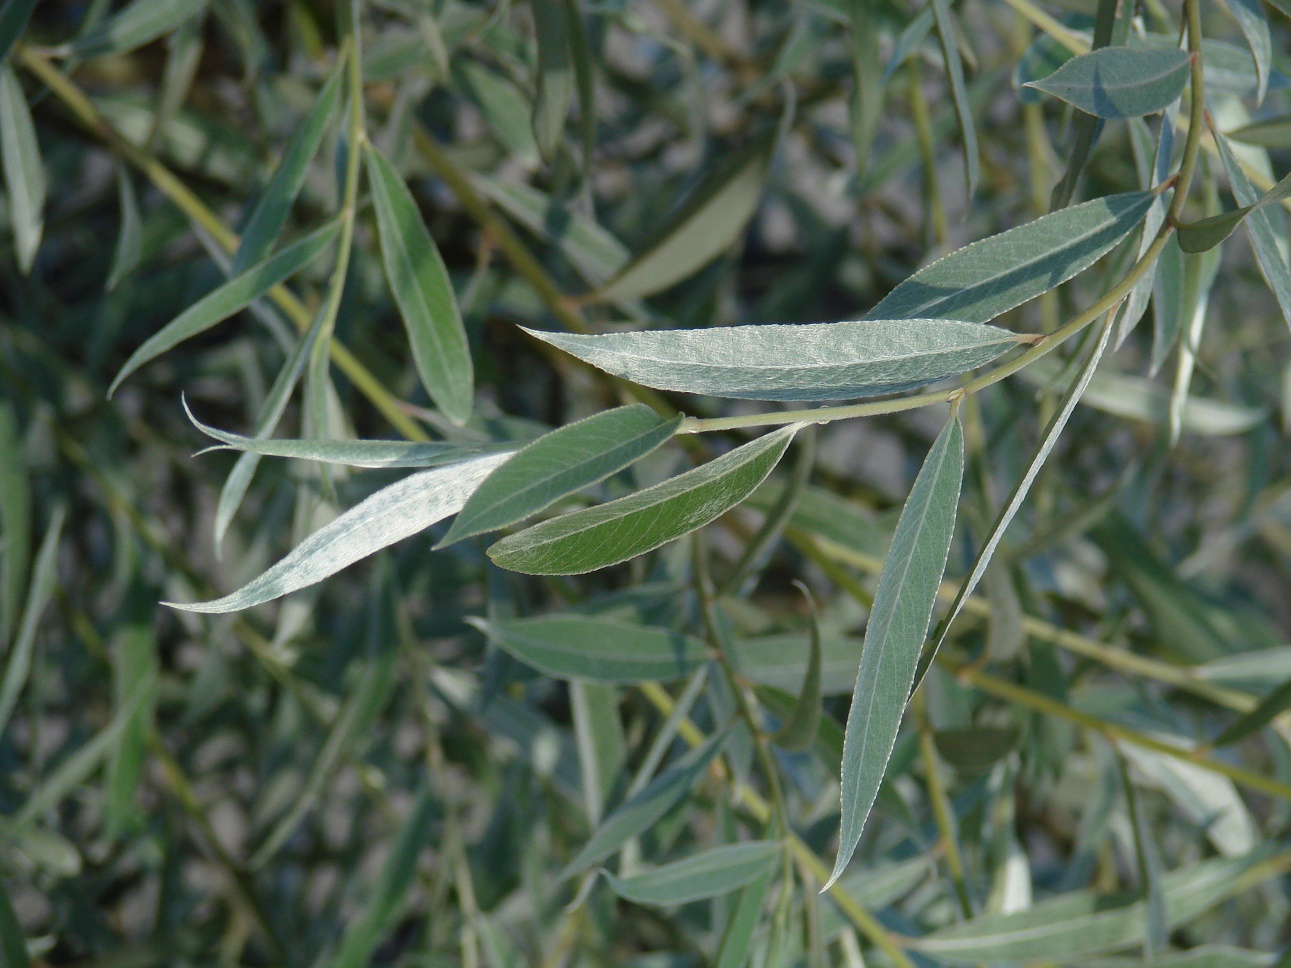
(702, 875)
(958, 93)
(23, 173)
(44, 576)
(137, 24)
(15, 521)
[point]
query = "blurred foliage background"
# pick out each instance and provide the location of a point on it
(354, 775)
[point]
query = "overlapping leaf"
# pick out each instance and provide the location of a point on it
(1120, 82)
(701, 875)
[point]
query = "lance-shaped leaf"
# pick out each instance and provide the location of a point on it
(982, 280)
(597, 649)
(391, 514)
(640, 812)
(44, 579)
(706, 874)
(1273, 133)
(1120, 82)
(813, 361)
(555, 83)
(142, 22)
(708, 222)
(130, 237)
(1266, 236)
(1253, 720)
(738, 936)
(560, 463)
(1209, 232)
(799, 731)
(1083, 923)
(271, 211)
(1255, 28)
(958, 93)
(353, 453)
(15, 521)
(229, 298)
(610, 533)
(897, 626)
(23, 175)
(13, 945)
(423, 291)
(1020, 490)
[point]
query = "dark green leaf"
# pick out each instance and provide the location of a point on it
(799, 731)
(1273, 133)
(958, 93)
(811, 361)
(1209, 232)
(561, 463)
(137, 24)
(18, 659)
(23, 174)
(13, 944)
(15, 521)
(129, 242)
(897, 626)
(1120, 82)
(14, 15)
(738, 936)
(702, 875)
(606, 535)
(1256, 719)
(555, 81)
(975, 749)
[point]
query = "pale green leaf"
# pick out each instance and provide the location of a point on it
(1203, 956)
(811, 361)
(1266, 236)
(990, 277)
(505, 109)
(1120, 82)
(1200, 270)
(629, 526)
(423, 291)
(702, 875)
(139, 23)
(958, 93)
(640, 811)
(782, 661)
(561, 463)
(391, 514)
(274, 205)
(1272, 133)
(24, 175)
(1084, 923)
(798, 731)
(555, 81)
(1168, 303)
(738, 936)
(229, 298)
(125, 257)
(895, 634)
(597, 649)
(602, 745)
(707, 223)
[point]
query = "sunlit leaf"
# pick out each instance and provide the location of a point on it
(895, 634)
(990, 277)
(810, 361)
(15, 521)
(1120, 82)
(629, 526)
(423, 291)
(701, 875)
(561, 463)
(1249, 15)
(391, 514)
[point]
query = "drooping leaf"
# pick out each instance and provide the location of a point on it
(15, 522)
(274, 205)
(139, 23)
(597, 649)
(799, 730)
(629, 526)
(1265, 232)
(134, 679)
(897, 626)
(1136, 303)
(702, 875)
(1272, 133)
(504, 107)
(1120, 82)
(1156, 926)
(423, 291)
(811, 361)
(865, 106)
(391, 514)
(44, 579)
(958, 93)
(1249, 15)
(706, 224)
(14, 15)
(24, 175)
(1083, 923)
(229, 298)
(129, 239)
(641, 811)
(555, 81)
(1207, 233)
(990, 277)
(1085, 128)
(560, 463)
(1048, 439)
(1199, 274)
(1256, 719)
(738, 936)
(602, 745)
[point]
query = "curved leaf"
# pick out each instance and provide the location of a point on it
(391, 514)
(423, 291)
(990, 277)
(597, 649)
(897, 626)
(559, 463)
(229, 298)
(1120, 82)
(706, 874)
(142, 22)
(24, 175)
(813, 361)
(958, 93)
(798, 732)
(614, 532)
(555, 81)
(1209, 232)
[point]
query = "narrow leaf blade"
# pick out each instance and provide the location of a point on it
(1120, 82)
(703, 875)
(23, 173)
(137, 24)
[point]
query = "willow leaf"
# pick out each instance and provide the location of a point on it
(14, 15)
(1249, 15)
(23, 173)
(702, 875)
(125, 257)
(1207, 233)
(812, 361)
(555, 82)
(139, 23)
(897, 626)
(629, 526)
(799, 731)
(1120, 82)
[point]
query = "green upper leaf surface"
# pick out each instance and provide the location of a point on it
(391, 514)
(815, 361)
(897, 627)
(139, 23)
(423, 291)
(597, 649)
(1120, 82)
(559, 463)
(990, 277)
(702, 875)
(606, 535)
(24, 174)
